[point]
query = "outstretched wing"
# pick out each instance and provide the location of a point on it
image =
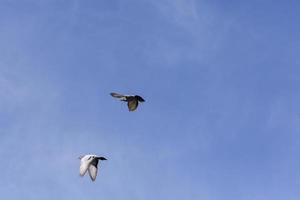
(139, 98)
(116, 95)
(83, 167)
(132, 104)
(101, 158)
(93, 169)
(93, 172)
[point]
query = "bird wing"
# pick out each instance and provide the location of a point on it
(116, 95)
(84, 164)
(101, 158)
(93, 169)
(139, 98)
(132, 104)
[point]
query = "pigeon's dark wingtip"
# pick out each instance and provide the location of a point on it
(102, 158)
(140, 99)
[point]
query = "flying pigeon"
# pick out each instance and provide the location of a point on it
(89, 163)
(132, 100)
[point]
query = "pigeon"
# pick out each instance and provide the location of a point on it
(132, 100)
(89, 163)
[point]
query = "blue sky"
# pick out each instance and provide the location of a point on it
(221, 82)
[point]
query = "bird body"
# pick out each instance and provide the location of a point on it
(132, 100)
(89, 163)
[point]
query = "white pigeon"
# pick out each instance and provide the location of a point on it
(89, 163)
(132, 100)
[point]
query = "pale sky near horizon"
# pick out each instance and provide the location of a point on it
(221, 82)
